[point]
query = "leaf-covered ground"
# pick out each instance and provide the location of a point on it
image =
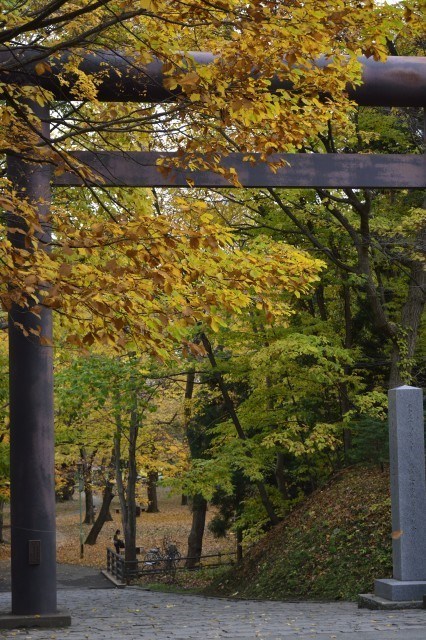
(173, 522)
(331, 547)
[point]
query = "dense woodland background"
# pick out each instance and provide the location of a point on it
(236, 345)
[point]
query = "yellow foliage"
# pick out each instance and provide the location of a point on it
(120, 270)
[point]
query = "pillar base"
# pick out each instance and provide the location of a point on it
(50, 621)
(400, 590)
(371, 601)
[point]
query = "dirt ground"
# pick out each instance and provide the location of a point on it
(172, 522)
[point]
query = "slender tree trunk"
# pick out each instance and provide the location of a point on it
(152, 492)
(89, 517)
(229, 405)
(87, 461)
(119, 474)
(127, 494)
(320, 300)
(343, 387)
(199, 504)
(280, 476)
(184, 500)
(239, 536)
(130, 525)
(103, 514)
(195, 538)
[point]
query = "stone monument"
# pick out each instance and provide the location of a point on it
(408, 500)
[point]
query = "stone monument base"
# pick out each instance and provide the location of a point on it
(370, 601)
(395, 594)
(400, 590)
(50, 620)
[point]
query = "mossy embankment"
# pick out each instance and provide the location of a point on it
(331, 547)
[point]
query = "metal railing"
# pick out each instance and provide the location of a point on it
(157, 563)
(116, 566)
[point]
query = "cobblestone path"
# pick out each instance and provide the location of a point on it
(137, 614)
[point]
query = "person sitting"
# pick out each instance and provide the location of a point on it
(118, 542)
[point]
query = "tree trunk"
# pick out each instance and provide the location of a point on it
(320, 300)
(279, 475)
(195, 538)
(127, 494)
(103, 515)
(184, 500)
(130, 524)
(152, 492)
(119, 474)
(239, 535)
(199, 503)
(89, 517)
(343, 387)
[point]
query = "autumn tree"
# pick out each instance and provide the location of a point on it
(230, 103)
(117, 270)
(83, 439)
(372, 242)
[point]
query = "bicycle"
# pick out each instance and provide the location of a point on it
(171, 557)
(153, 558)
(167, 561)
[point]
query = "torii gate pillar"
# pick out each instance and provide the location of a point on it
(32, 484)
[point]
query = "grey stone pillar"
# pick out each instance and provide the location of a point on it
(408, 497)
(408, 484)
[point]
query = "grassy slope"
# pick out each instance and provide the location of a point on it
(331, 547)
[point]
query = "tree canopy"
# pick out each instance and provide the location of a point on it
(232, 285)
(116, 266)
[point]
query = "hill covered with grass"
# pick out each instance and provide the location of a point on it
(332, 546)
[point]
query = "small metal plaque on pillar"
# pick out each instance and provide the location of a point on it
(34, 552)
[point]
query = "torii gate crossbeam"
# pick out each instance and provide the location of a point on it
(400, 81)
(291, 170)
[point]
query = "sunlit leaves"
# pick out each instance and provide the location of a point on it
(144, 279)
(119, 271)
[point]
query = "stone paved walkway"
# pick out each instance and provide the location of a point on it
(136, 614)
(69, 576)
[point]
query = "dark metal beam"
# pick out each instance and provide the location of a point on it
(140, 169)
(399, 82)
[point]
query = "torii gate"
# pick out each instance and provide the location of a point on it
(400, 81)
